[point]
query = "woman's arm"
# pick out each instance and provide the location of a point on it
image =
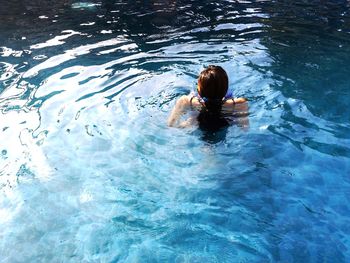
(241, 107)
(181, 106)
(240, 110)
(189, 122)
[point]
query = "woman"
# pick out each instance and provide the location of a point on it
(216, 109)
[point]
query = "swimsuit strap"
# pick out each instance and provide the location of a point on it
(191, 101)
(201, 101)
(233, 100)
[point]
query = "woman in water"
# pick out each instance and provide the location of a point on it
(216, 110)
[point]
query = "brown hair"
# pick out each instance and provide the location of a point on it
(213, 82)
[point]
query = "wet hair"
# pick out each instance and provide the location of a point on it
(213, 82)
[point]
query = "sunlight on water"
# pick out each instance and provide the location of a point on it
(84, 5)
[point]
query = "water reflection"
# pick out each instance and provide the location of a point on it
(306, 48)
(309, 51)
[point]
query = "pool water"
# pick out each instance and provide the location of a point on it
(89, 171)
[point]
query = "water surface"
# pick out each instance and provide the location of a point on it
(89, 171)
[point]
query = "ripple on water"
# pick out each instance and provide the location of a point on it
(87, 155)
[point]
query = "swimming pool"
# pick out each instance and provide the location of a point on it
(89, 171)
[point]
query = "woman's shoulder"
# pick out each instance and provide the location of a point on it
(194, 101)
(240, 104)
(233, 101)
(187, 101)
(240, 100)
(183, 101)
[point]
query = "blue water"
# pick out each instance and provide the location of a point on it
(89, 171)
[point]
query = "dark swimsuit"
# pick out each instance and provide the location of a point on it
(209, 121)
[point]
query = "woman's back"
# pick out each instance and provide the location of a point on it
(218, 116)
(214, 109)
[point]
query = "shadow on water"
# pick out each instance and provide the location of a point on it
(310, 49)
(309, 46)
(212, 137)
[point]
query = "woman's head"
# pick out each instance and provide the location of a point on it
(212, 87)
(213, 83)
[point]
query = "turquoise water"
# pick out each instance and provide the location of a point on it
(89, 171)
